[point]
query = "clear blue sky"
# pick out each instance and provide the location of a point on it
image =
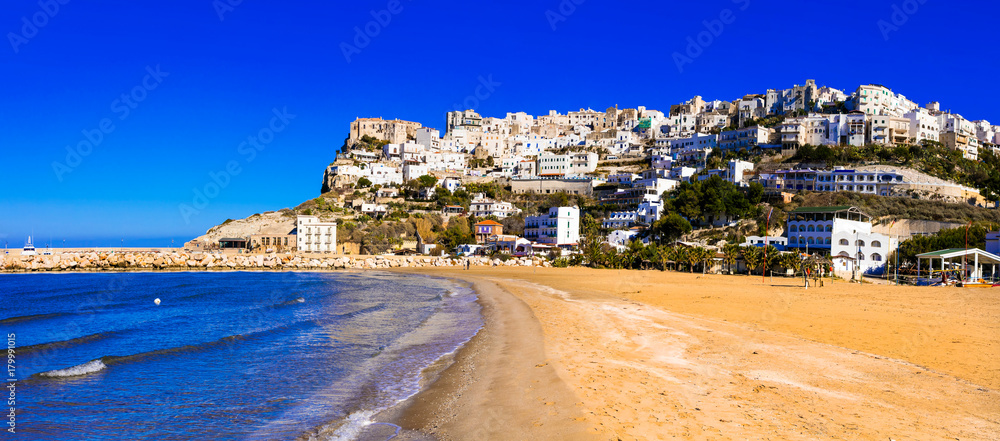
(221, 81)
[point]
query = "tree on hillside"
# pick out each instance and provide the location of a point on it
(457, 233)
(989, 185)
(427, 181)
(670, 228)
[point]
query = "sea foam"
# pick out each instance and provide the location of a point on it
(82, 369)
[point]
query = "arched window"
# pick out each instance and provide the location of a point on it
(811, 241)
(877, 257)
(812, 228)
(844, 242)
(861, 256)
(828, 241)
(794, 228)
(860, 243)
(876, 244)
(829, 228)
(793, 239)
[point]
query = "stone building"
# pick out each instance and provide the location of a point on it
(395, 131)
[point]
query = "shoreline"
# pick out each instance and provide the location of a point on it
(494, 383)
(609, 354)
(640, 355)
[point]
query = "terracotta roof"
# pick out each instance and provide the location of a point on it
(489, 222)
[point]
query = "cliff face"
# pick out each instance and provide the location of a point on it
(328, 180)
(274, 222)
(332, 181)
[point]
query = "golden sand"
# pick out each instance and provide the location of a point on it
(604, 354)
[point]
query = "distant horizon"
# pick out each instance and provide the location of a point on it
(100, 242)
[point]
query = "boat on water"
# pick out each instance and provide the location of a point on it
(29, 249)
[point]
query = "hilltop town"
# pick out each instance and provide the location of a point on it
(709, 173)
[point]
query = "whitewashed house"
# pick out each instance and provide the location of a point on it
(314, 236)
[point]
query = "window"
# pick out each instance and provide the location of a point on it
(860, 243)
(861, 256)
(876, 244)
(812, 241)
(828, 241)
(812, 228)
(794, 228)
(844, 242)
(877, 257)
(793, 239)
(829, 228)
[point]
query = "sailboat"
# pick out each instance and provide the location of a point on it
(29, 249)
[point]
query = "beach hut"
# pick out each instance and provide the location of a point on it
(971, 261)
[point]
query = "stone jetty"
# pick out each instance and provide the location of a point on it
(188, 261)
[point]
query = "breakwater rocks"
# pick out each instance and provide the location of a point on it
(182, 261)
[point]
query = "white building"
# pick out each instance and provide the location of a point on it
(682, 173)
(888, 130)
(661, 158)
(747, 138)
(923, 125)
(574, 164)
(451, 184)
(621, 238)
(414, 171)
(482, 207)
(698, 140)
(313, 236)
(378, 174)
(560, 227)
(874, 99)
(617, 220)
(845, 233)
(822, 129)
(839, 179)
(739, 172)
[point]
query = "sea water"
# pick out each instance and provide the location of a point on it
(234, 355)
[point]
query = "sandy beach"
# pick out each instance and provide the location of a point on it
(636, 355)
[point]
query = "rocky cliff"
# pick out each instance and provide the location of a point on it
(274, 222)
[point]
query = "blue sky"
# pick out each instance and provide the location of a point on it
(200, 77)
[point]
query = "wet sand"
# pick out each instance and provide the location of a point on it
(604, 354)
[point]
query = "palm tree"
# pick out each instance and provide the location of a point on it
(772, 255)
(731, 253)
(664, 255)
(694, 256)
(790, 261)
(753, 256)
(680, 255)
(707, 258)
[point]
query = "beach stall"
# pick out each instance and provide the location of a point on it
(971, 262)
